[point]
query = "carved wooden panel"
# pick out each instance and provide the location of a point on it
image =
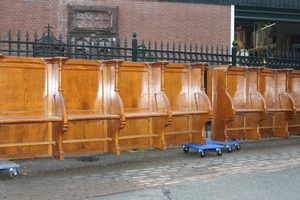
(93, 20)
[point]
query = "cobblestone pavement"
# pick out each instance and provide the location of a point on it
(47, 178)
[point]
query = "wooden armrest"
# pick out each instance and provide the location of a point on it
(145, 114)
(280, 109)
(15, 144)
(86, 140)
(28, 119)
(123, 137)
(248, 110)
(74, 117)
(189, 112)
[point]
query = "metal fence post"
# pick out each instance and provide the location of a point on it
(234, 44)
(134, 47)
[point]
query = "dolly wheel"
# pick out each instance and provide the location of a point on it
(13, 172)
(229, 149)
(201, 153)
(185, 149)
(237, 147)
(219, 152)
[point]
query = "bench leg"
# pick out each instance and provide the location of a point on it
(114, 127)
(159, 127)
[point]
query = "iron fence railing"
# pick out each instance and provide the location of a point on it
(93, 47)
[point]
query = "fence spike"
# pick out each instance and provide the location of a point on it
(59, 37)
(27, 35)
(19, 35)
(9, 34)
(35, 36)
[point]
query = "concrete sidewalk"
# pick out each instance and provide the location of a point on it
(96, 176)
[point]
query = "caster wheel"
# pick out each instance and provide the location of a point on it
(201, 153)
(185, 149)
(229, 149)
(13, 172)
(237, 147)
(219, 152)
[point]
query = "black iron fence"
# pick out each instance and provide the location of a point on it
(95, 47)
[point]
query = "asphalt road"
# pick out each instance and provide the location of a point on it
(277, 184)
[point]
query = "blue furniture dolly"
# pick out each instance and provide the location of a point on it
(201, 148)
(11, 166)
(228, 145)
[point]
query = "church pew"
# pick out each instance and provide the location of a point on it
(29, 123)
(238, 106)
(273, 86)
(81, 89)
(145, 105)
(189, 104)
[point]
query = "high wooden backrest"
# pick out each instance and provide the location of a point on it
(267, 87)
(25, 87)
(177, 82)
(274, 87)
(82, 84)
(139, 87)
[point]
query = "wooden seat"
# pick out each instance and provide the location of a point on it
(81, 87)
(294, 91)
(238, 106)
(273, 85)
(189, 104)
(145, 106)
(29, 121)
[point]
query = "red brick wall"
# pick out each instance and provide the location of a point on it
(152, 20)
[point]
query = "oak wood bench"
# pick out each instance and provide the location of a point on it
(189, 103)
(28, 120)
(238, 106)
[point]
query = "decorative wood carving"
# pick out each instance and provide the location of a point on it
(93, 20)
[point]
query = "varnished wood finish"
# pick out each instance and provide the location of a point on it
(59, 106)
(189, 104)
(80, 86)
(145, 106)
(294, 91)
(238, 106)
(274, 89)
(28, 119)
